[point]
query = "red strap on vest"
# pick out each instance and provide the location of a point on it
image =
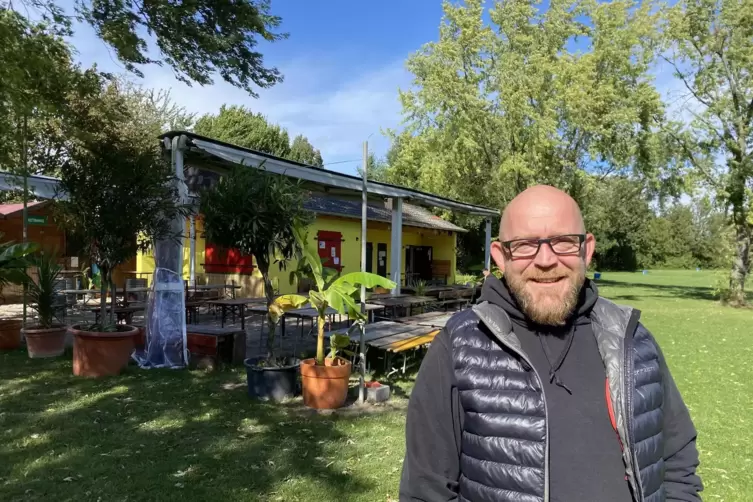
(611, 411)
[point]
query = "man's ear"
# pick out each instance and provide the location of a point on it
(590, 248)
(498, 255)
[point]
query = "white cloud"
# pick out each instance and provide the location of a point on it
(337, 103)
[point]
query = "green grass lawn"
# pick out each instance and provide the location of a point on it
(180, 435)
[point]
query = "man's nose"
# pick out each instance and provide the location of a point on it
(545, 258)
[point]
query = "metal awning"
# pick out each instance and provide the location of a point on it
(214, 154)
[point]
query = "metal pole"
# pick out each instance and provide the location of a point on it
(364, 216)
(488, 245)
(192, 252)
(25, 215)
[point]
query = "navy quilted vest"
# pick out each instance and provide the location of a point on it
(504, 442)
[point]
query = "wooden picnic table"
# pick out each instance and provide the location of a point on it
(406, 302)
(121, 313)
(403, 334)
(232, 304)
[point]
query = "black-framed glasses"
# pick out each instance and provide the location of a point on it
(562, 245)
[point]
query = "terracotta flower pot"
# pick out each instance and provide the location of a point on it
(325, 387)
(98, 354)
(45, 342)
(10, 334)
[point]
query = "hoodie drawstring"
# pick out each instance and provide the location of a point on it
(553, 377)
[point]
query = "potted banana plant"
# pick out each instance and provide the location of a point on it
(47, 337)
(325, 379)
(13, 263)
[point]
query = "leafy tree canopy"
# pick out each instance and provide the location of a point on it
(198, 40)
(496, 107)
(709, 43)
(240, 126)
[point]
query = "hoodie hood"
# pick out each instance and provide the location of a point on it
(497, 291)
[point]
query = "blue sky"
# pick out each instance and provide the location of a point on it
(343, 64)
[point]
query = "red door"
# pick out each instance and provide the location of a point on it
(329, 249)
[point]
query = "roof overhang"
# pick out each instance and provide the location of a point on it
(40, 187)
(221, 156)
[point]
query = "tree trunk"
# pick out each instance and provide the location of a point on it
(741, 261)
(111, 282)
(270, 296)
(320, 340)
(102, 298)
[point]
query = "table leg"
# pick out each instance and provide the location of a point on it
(224, 313)
(242, 312)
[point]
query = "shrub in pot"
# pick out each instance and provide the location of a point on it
(325, 379)
(122, 196)
(13, 263)
(255, 213)
(46, 338)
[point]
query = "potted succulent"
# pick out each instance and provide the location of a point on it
(325, 379)
(121, 195)
(13, 263)
(47, 337)
(255, 212)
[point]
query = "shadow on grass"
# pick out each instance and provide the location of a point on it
(665, 290)
(160, 435)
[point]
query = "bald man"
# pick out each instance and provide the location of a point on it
(544, 391)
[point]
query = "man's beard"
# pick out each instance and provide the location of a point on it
(551, 308)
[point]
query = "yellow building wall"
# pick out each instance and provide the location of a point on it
(442, 242)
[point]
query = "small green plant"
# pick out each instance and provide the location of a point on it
(339, 343)
(331, 290)
(721, 289)
(419, 287)
(41, 292)
(465, 279)
(13, 262)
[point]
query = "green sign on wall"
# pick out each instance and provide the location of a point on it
(36, 220)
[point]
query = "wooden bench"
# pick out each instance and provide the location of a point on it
(226, 345)
(441, 269)
(461, 297)
(221, 344)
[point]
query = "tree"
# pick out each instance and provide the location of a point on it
(36, 75)
(240, 126)
(122, 195)
(302, 151)
(618, 215)
(497, 107)
(709, 44)
(377, 169)
(257, 213)
(197, 39)
(154, 109)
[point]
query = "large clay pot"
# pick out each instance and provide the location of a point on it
(45, 342)
(98, 354)
(325, 387)
(10, 334)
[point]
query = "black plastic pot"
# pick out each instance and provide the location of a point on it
(274, 383)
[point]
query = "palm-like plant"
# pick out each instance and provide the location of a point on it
(332, 291)
(255, 212)
(13, 262)
(41, 292)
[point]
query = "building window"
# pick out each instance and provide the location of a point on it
(219, 260)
